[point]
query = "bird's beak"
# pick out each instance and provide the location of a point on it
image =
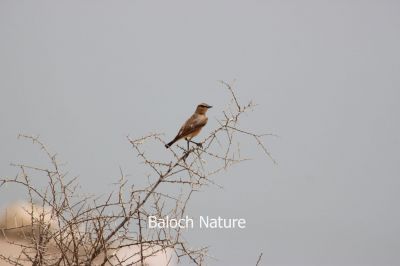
(209, 106)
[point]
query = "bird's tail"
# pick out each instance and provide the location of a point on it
(170, 143)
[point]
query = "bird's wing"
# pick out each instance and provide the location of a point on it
(195, 122)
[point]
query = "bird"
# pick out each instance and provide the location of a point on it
(192, 126)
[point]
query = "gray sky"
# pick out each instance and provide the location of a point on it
(84, 74)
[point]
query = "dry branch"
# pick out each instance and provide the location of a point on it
(74, 229)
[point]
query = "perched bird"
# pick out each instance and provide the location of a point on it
(192, 126)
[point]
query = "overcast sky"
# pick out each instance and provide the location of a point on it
(326, 78)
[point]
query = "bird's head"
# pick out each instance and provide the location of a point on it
(202, 108)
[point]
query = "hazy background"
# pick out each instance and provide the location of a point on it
(326, 76)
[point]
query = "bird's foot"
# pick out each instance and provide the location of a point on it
(199, 144)
(185, 156)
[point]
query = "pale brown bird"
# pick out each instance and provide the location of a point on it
(192, 126)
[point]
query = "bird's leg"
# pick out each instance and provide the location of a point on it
(187, 151)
